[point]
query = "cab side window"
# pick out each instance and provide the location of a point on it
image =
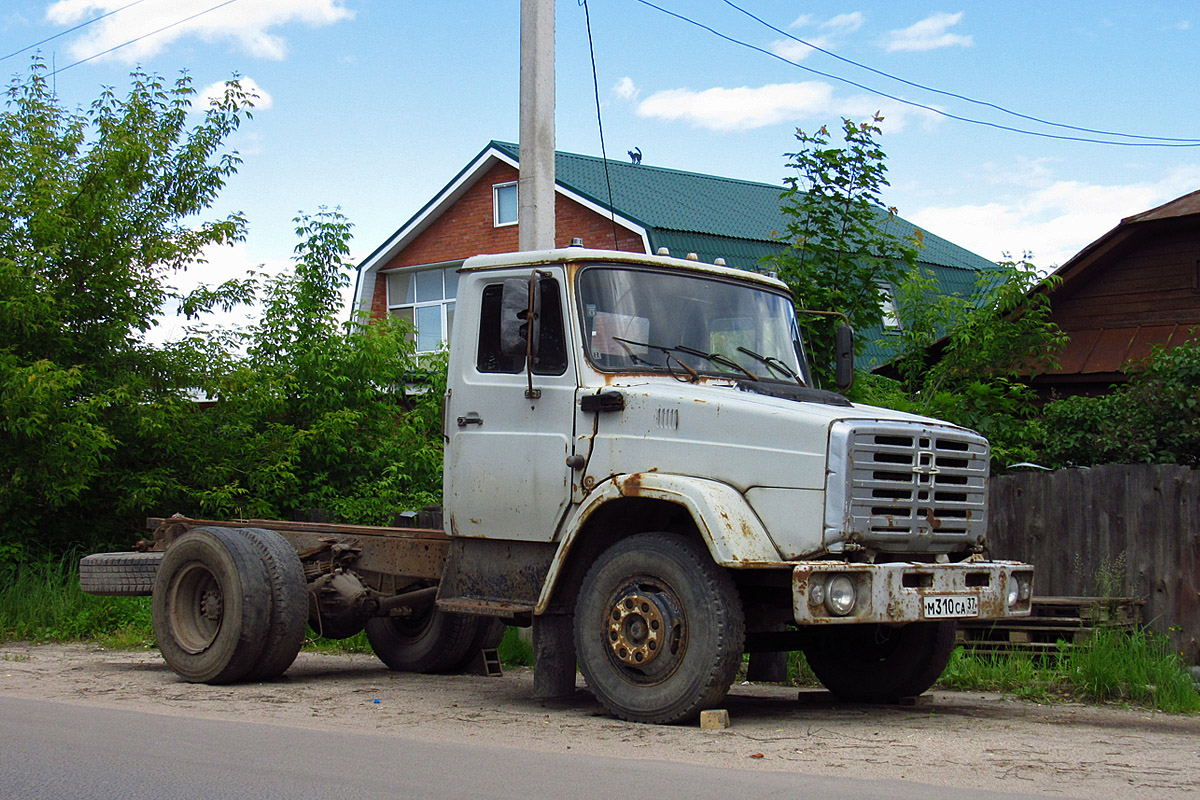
(552, 342)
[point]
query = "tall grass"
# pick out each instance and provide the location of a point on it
(1138, 667)
(1134, 667)
(42, 602)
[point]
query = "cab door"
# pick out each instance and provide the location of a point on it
(506, 457)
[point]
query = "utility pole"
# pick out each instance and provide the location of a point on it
(535, 186)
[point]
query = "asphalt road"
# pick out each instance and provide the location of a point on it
(58, 751)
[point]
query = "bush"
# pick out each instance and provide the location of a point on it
(1155, 418)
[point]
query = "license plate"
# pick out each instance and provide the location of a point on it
(946, 606)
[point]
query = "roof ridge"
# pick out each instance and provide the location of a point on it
(617, 162)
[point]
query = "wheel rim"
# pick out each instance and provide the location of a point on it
(645, 631)
(197, 607)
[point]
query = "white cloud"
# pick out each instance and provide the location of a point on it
(845, 23)
(1054, 221)
(222, 263)
(745, 108)
(928, 34)
(245, 23)
(215, 91)
(841, 25)
(798, 51)
(625, 89)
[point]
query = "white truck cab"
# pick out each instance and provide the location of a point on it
(626, 431)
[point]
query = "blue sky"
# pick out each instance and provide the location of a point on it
(374, 105)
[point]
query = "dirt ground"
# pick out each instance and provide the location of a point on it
(967, 740)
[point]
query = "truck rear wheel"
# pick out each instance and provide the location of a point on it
(880, 663)
(659, 629)
(432, 641)
(488, 635)
(211, 606)
(289, 603)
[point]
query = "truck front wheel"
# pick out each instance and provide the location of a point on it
(659, 629)
(880, 663)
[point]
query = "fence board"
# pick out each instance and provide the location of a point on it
(1115, 530)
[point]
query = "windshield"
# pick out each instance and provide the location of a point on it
(688, 325)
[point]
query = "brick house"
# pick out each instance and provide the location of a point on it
(413, 273)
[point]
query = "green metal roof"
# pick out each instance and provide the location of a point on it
(678, 202)
(715, 217)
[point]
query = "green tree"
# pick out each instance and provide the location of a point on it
(97, 208)
(967, 359)
(841, 243)
(318, 413)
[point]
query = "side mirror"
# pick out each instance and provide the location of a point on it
(520, 316)
(844, 358)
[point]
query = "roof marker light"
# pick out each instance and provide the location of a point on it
(662, 251)
(720, 262)
(693, 257)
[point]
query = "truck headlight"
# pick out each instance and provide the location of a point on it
(1012, 591)
(839, 595)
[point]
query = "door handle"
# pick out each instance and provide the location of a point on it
(472, 418)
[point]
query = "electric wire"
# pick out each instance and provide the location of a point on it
(137, 39)
(612, 214)
(71, 30)
(913, 103)
(953, 95)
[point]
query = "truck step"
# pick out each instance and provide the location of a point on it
(486, 663)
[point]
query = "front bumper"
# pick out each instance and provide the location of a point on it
(902, 592)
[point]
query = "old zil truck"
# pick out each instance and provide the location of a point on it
(638, 465)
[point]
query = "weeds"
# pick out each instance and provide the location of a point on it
(1138, 667)
(515, 651)
(1135, 667)
(42, 602)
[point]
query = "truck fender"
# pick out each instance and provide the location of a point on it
(733, 533)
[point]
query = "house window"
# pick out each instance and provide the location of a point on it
(425, 299)
(887, 304)
(504, 203)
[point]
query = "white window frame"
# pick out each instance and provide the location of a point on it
(445, 303)
(496, 221)
(890, 319)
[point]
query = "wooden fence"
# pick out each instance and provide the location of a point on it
(1119, 530)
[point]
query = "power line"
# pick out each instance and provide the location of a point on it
(144, 36)
(912, 103)
(600, 124)
(962, 97)
(71, 30)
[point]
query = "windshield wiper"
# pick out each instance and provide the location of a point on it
(773, 363)
(669, 352)
(717, 358)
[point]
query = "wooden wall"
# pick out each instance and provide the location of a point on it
(1137, 524)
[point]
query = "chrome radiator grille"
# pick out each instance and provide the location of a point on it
(910, 488)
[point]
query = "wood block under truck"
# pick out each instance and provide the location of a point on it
(639, 465)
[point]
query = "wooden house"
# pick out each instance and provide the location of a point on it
(1135, 287)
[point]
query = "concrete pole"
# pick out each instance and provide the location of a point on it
(535, 187)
